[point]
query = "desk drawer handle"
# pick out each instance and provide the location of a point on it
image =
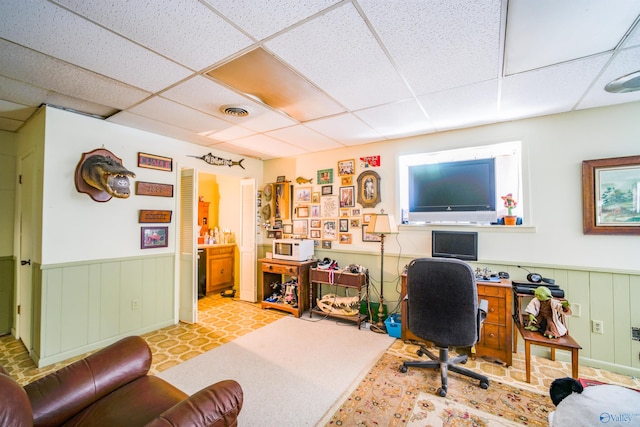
(492, 335)
(271, 267)
(492, 309)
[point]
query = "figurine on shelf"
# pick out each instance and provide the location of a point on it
(545, 313)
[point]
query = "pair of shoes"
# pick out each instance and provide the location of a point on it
(327, 264)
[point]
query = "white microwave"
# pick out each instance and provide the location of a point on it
(293, 249)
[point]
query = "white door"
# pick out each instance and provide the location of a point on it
(188, 290)
(248, 260)
(24, 293)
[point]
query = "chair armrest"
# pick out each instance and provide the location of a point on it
(216, 405)
(60, 395)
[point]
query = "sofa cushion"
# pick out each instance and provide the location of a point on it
(15, 409)
(134, 404)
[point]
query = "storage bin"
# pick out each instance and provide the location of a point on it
(394, 325)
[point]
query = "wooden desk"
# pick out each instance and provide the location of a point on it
(536, 338)
(496, 334)
(340, 278)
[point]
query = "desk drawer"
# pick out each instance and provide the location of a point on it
(495, 313)
(220, 251)
(280, 269)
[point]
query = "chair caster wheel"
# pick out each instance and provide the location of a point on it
(420, 353)
(484, 385)
(441, 392)
(403, 369)
(464, 362)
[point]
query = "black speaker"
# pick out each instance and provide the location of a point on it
(534, 277)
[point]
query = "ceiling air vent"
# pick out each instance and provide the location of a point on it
(235, 110)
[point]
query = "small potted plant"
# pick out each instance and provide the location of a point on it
(510, 203)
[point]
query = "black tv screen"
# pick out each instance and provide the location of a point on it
(453, 186)
(455, 244)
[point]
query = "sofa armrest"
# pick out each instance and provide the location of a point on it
(60, 395)
(217, 405)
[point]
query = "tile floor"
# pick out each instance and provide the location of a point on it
(221, 320)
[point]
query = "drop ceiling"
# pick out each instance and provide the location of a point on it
(349, 72)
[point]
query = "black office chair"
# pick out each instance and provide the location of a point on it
(442, 308)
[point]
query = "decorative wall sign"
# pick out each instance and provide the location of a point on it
(369, 189)
(610, 194)
(154, 237)
(154, 216)
(219, 161)
(370, 162)
(154, 189)
(100, 174)
(151, 161)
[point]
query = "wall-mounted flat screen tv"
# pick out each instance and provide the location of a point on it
(453, 191)
(454, 244)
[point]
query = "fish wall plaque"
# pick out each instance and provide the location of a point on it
(219, 161)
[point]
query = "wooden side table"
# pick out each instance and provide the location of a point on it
(275, 270)
(337, 278)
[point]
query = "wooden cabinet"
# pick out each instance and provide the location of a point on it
(343, 279)
(275, 271)
(497, 330)
(220, 266)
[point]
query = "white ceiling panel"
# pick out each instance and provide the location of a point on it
(397, 120)
(192, 34)
(11, 110)
(474, 104)
(229, 134)
(546, 32)
(167, 111)
(22, 93)
(440, 44)
(268, 145)
(623, 63)
(306, 138)
(263, 20)
(337, 52)
(548, 90)
(346, 128)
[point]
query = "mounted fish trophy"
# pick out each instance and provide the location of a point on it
(101, 175)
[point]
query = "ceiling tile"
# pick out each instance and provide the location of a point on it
(192, 34)
(633, 39)
(397, 120)
(11, 110)
(230, 133)
(268, 145)
(54, 31)
(306, 138)
(346, 128)
(439, 44)
(537, 31)
(549, 90)
(16, 91)
(623, 63)
(337, 52)
(167, 111)
(282, 14)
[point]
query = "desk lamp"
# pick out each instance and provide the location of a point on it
(381, 224)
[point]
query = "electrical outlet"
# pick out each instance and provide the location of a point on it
(135, 304)
(576, 310)
(597, 326)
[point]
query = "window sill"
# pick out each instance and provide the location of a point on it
(469, 227)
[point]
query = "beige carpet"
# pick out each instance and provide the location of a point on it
(293, 371)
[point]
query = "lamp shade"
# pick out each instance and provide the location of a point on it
(382, 223)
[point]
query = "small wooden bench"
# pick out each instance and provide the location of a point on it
(536, 338)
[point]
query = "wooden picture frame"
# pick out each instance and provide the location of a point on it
(315, 223)
(346, 167)
(315, 234)
(329, 229)
(151, 161)
(344, 238)
(607, 195)
(369, 189)
(315, 197)
(314, 211)
(344, 225)
(303, 211)
(287, 228)
(154, 237)
(300, 227)
(303, 194)
(326, 244)
(154, 216)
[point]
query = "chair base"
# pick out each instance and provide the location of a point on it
(445, 364)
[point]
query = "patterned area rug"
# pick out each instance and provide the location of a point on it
(387, 397)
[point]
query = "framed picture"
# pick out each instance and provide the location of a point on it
(369, 189)
(154, 237)
(300, 227)
(354, 223)
(151, 161)
(347, 199)
(608, 188)
(315, 223)
(344, 212)
(366, 218)
(346, 167)
(329, 229)
(315, 211)
(325, 176)
(344, 238)
(315, 197)
(355, 212)
(277, 224)
(303, 211)
(344, 225)
(326, 244)
(327, 189)
(369, 237)
(281, 178)
(329, 206)
(146, 216)
(303, 194)
(346, 180)
(315, 234)
(287, 228)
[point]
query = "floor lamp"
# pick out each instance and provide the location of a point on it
(381, 224)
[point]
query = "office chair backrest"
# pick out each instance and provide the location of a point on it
(442, 304)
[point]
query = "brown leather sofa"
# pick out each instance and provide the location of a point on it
(112, 388)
